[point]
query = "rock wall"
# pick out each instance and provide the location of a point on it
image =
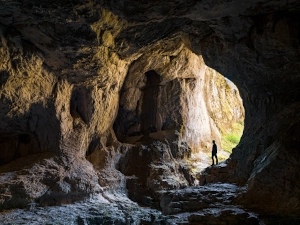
(270, 120)
(60, 84)
(70, 70)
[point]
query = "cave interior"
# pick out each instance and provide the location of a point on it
(105, 103)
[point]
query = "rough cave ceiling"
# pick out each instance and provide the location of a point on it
(64, 63)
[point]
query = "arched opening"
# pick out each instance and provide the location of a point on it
(148, 109)
(231, 136)
(189, 111)
(226, 113)
(169, 113)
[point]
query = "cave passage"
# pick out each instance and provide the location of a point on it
(148, 109)
(225, 124)
(149, 105)
(231, 135)
(198, 109)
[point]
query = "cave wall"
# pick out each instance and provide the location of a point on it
(64, 63)
(270, 47)
(66, 113)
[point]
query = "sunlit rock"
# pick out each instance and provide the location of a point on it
(112, 98)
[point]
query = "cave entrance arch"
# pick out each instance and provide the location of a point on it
(181, 110)
(224, 120)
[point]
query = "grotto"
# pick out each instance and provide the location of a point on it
(104, 102)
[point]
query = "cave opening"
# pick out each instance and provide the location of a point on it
(190, 112)
(170, 124)
(225, 124)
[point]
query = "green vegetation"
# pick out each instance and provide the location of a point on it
(232, 138)
(230, 141)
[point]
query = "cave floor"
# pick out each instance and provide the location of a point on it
(209, 204)
(200, 161)
(109, 208)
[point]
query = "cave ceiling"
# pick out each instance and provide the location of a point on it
(63, 65)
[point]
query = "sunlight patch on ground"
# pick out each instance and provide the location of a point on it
(200, 161)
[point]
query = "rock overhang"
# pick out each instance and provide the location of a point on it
(255, 44)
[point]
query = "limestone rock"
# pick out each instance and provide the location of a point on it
(46, 179)
(73, 84)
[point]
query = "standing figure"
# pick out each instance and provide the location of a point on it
(214, 153)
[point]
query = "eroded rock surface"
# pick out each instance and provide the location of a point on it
(46, 179)
(89, 89)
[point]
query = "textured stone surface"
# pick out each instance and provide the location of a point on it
(69, 68)
(46, 179)
(95, 211)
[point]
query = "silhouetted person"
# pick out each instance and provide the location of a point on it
(214, 153)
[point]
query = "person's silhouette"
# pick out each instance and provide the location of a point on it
(214, 153)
